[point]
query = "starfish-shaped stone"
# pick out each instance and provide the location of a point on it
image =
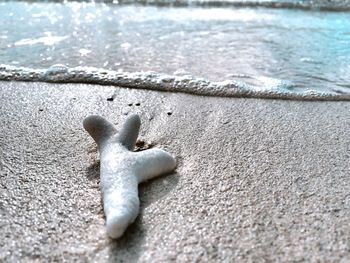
(122, 169)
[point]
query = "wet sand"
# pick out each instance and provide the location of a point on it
(257, 180)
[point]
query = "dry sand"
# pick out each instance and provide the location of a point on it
(257, 180)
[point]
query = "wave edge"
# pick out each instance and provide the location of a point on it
(162, 82)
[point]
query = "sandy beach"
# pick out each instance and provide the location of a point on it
(257, 180)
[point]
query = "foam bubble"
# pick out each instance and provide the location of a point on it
(56, 69)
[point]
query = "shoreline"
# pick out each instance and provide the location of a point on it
(256, 179)
(60, 74)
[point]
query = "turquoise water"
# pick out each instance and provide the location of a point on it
(256, 48)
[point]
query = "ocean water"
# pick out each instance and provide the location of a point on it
(266, 49)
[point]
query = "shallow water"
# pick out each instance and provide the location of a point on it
(287, 50)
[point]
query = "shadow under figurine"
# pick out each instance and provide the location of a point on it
(121, 169)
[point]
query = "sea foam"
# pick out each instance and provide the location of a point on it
(165, 82)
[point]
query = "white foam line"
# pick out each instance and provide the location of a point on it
(163, 82)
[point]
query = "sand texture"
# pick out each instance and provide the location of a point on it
(257, 180)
